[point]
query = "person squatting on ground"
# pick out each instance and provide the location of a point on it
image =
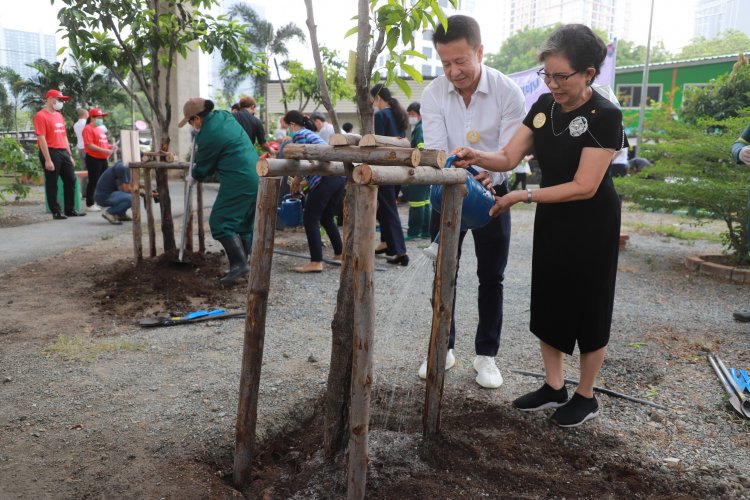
(55, 155)
(113, 193)
(472, 104)
(98, 150)
(418, 196)
(392, 121)
(575, 132)
(223, 148)
(741, 154)
(324, 195)
(522, 172)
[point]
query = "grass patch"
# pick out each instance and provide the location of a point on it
(81, 348)
(675, 232)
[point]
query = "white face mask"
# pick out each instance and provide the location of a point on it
(58, 105)
(413, 120)
(193, 130)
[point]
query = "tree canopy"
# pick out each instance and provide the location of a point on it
(728, 42)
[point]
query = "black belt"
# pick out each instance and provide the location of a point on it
(501, 189)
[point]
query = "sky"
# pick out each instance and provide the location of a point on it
(673, 21)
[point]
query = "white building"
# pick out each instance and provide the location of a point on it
(712, 17)
(19, 48)
(601, 14)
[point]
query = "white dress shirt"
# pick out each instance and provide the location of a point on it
(326, 131)
(78, 129)
(495, 112)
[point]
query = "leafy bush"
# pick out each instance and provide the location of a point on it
(721, 98)
(15, 163)
(693, 169)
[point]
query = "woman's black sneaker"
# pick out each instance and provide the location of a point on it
(578, 410)
(542, 399)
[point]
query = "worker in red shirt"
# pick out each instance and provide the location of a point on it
(55, 156)
(98, 150)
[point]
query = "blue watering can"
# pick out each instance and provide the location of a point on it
(475, 209)
(290, 211)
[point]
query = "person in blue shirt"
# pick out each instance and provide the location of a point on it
(113, 193)
(390, 120)
(741, 154)
(324, 195)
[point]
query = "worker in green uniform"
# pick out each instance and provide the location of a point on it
(418, 196)
(223, 148)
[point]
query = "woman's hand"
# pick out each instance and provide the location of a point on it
(465, 157)
(503, 203)
(294, 187)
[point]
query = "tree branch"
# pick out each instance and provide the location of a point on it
(376, 50)
(324, 95)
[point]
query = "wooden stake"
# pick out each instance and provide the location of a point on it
(255, 329)
(408, 157)
(369, 140)
(149, 204)
(442, 306)
(379, 175)
(364, 330)
(433, 158)
(135, 207)
(344, 139)
(201, 230)
(268, 167)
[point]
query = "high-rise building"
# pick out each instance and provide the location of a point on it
(712, 17)
(19, 48)
(520, 14)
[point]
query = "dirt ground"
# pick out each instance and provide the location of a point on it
(487, 451)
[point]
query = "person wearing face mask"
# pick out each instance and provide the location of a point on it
(418, 196)
(324, 195)
(474, 105)
(223, 148)
(55, 156)
(98, 150)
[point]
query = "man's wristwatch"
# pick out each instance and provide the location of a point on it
(528, 195)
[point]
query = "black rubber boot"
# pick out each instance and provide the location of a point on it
(248, 244)
(235, 250)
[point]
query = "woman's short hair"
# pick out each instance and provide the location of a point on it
(459, 27)
(414, 108)
(208, 106)
(578, 44)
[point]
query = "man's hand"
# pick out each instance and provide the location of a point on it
(745, 155)
(48, 165)
(484, 179)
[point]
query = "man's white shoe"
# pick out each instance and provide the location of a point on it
(450, 360)
(488, 376)
(94, 208)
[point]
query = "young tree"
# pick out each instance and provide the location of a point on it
(721, 98)
(11, 91)
(518, 52)
(628, 53)
(304, 86)
(142, 39)
(260, 34)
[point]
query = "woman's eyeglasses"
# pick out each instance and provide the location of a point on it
(558, 78)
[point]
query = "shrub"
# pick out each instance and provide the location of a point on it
(16, 164)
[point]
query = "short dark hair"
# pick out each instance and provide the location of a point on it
(347, 127)
(236, 106)
(318, 116)
(578, 44)
(208, 106)
(459, 27)
(247, 102)
(414, 107)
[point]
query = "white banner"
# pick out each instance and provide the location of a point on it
(532, 86)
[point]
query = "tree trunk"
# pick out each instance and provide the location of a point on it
(324, 95)
(165, 202)
(336, 429)
(376, 175)
(394, 156)
(281, 84)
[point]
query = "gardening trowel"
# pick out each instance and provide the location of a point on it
(736, 398)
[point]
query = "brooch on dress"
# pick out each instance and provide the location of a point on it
(578, 126)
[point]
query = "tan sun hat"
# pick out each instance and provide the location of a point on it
(192, 107)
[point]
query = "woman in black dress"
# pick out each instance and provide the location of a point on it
(574, 132)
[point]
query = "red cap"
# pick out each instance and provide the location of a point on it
(56, 94)
(96, 112)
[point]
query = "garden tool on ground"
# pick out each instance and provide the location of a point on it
(736, 398)
(192, 317)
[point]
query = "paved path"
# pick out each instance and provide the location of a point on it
(23, 244)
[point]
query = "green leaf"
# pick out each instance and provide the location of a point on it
(392, 38)
(403, 86)
(351, 31)
(61, 50)
(414, 53)
(412, 72)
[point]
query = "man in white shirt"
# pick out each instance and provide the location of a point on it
(477, 106)
(325, 129)
(78, 129)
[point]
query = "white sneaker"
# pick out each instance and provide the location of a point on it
(488, 376)
(111, 218)
(450, 360)
(94, 208)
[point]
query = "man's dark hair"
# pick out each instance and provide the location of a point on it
(578, 44)
(347, 127)
(318, 116)
(236, 106)
(459, 27)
